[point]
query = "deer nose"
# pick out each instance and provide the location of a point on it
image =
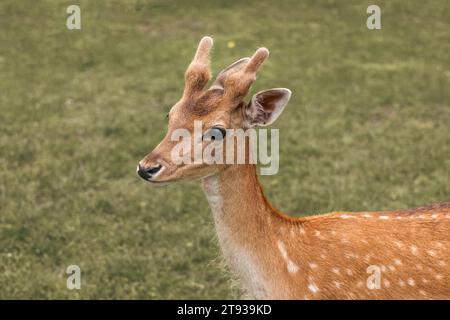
(146, 173)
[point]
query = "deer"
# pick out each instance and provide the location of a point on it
(401, 254)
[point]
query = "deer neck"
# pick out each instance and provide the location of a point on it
(236, 196)
(244, 223)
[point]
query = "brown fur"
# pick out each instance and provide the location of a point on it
(331, 251)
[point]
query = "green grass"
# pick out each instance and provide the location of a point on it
(367, 128)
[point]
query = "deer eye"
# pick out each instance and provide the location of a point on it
(214, 134)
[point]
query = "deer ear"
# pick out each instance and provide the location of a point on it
(266, 106)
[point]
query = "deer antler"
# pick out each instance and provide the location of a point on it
(236, 84)
(234, 80)
(198, 74)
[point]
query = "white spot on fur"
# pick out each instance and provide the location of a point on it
(312, 265)
(367, 215)
(384, 217)
(335, 270)
(291, 266)
(350, 255)
(399, 244)
(398, 261)
(431, 253)
(386, 283)
(411, 282)
(318, 235)
(313, 288)
(413, 250)
(344, 240)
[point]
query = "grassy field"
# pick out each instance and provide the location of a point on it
(367, 128)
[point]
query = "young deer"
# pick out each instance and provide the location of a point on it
(366, 255)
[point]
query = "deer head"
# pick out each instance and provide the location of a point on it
(220, 107)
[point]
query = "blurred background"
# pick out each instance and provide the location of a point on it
(367, 128)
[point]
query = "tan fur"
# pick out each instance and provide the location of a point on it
(332, 252)
(280, 257)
